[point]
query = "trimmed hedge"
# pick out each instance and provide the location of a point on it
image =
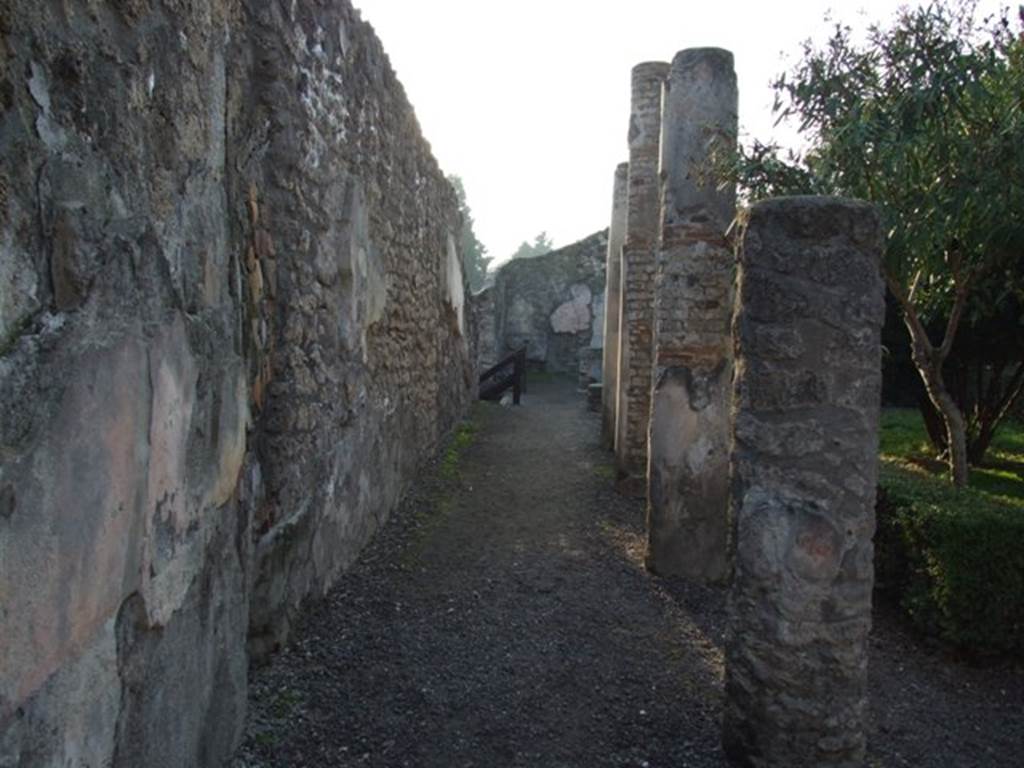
(955, 559)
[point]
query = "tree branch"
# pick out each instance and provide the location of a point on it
(1013, 390)
(920, 335)
(959, 303)
(913, 286)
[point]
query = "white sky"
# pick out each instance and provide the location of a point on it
(528, 100)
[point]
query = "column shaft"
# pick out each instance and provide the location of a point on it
(613, 301)
(804, 468)
(636, 318)
(688, 471)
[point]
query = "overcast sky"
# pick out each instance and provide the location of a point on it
(528, 101)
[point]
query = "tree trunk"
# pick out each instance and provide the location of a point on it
(934, 424)
(928, 360)
(929, 365)
(993, 410)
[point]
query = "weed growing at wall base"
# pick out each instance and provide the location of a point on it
(461, 440)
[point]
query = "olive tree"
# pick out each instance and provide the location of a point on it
(924, 118)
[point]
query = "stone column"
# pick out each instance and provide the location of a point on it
(804, 467)
(613, 296)
(636, 313)
(688, 466)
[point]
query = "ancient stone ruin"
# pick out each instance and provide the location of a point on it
(551, 304)
(636, 300)
(613, 306)
(234, 323)
(688, 494)
(238, 327)
(760, 469)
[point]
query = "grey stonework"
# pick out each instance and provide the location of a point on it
(642, 225)
(612, 306)
(804, 469)
(232, 324)
(487, 334)
(688, 466)
(553, 304)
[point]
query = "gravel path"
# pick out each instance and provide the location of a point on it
(503, 618)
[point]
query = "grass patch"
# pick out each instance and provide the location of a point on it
(438, 500)
(902, 433)
(463, 438)
(266, 739)
(903, 440)
(284, 703)
(605, 471)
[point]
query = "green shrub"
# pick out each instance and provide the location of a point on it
(954, 558)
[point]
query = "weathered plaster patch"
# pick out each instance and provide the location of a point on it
(454, 288)
(573, 316)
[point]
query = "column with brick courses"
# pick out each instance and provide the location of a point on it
(688, 469)
(636, 313)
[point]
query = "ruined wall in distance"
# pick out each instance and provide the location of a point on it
(486, 332)
(554, 304)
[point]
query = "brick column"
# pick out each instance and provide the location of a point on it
(688, 470)
(613, 300)
(804, 463)
(642, 225)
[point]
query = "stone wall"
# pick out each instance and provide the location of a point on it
(367, 322)
(233, 321)
(554, 304)
(486, 333)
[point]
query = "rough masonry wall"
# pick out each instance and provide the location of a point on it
(362, 296)
(553, 304)
(232, 322)
(123, 389)
(486, 332)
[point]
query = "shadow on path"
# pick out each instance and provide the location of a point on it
(502, 617)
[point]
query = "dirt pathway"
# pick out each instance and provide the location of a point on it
(503, 618)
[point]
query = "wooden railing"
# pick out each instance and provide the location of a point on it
(508, 373)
